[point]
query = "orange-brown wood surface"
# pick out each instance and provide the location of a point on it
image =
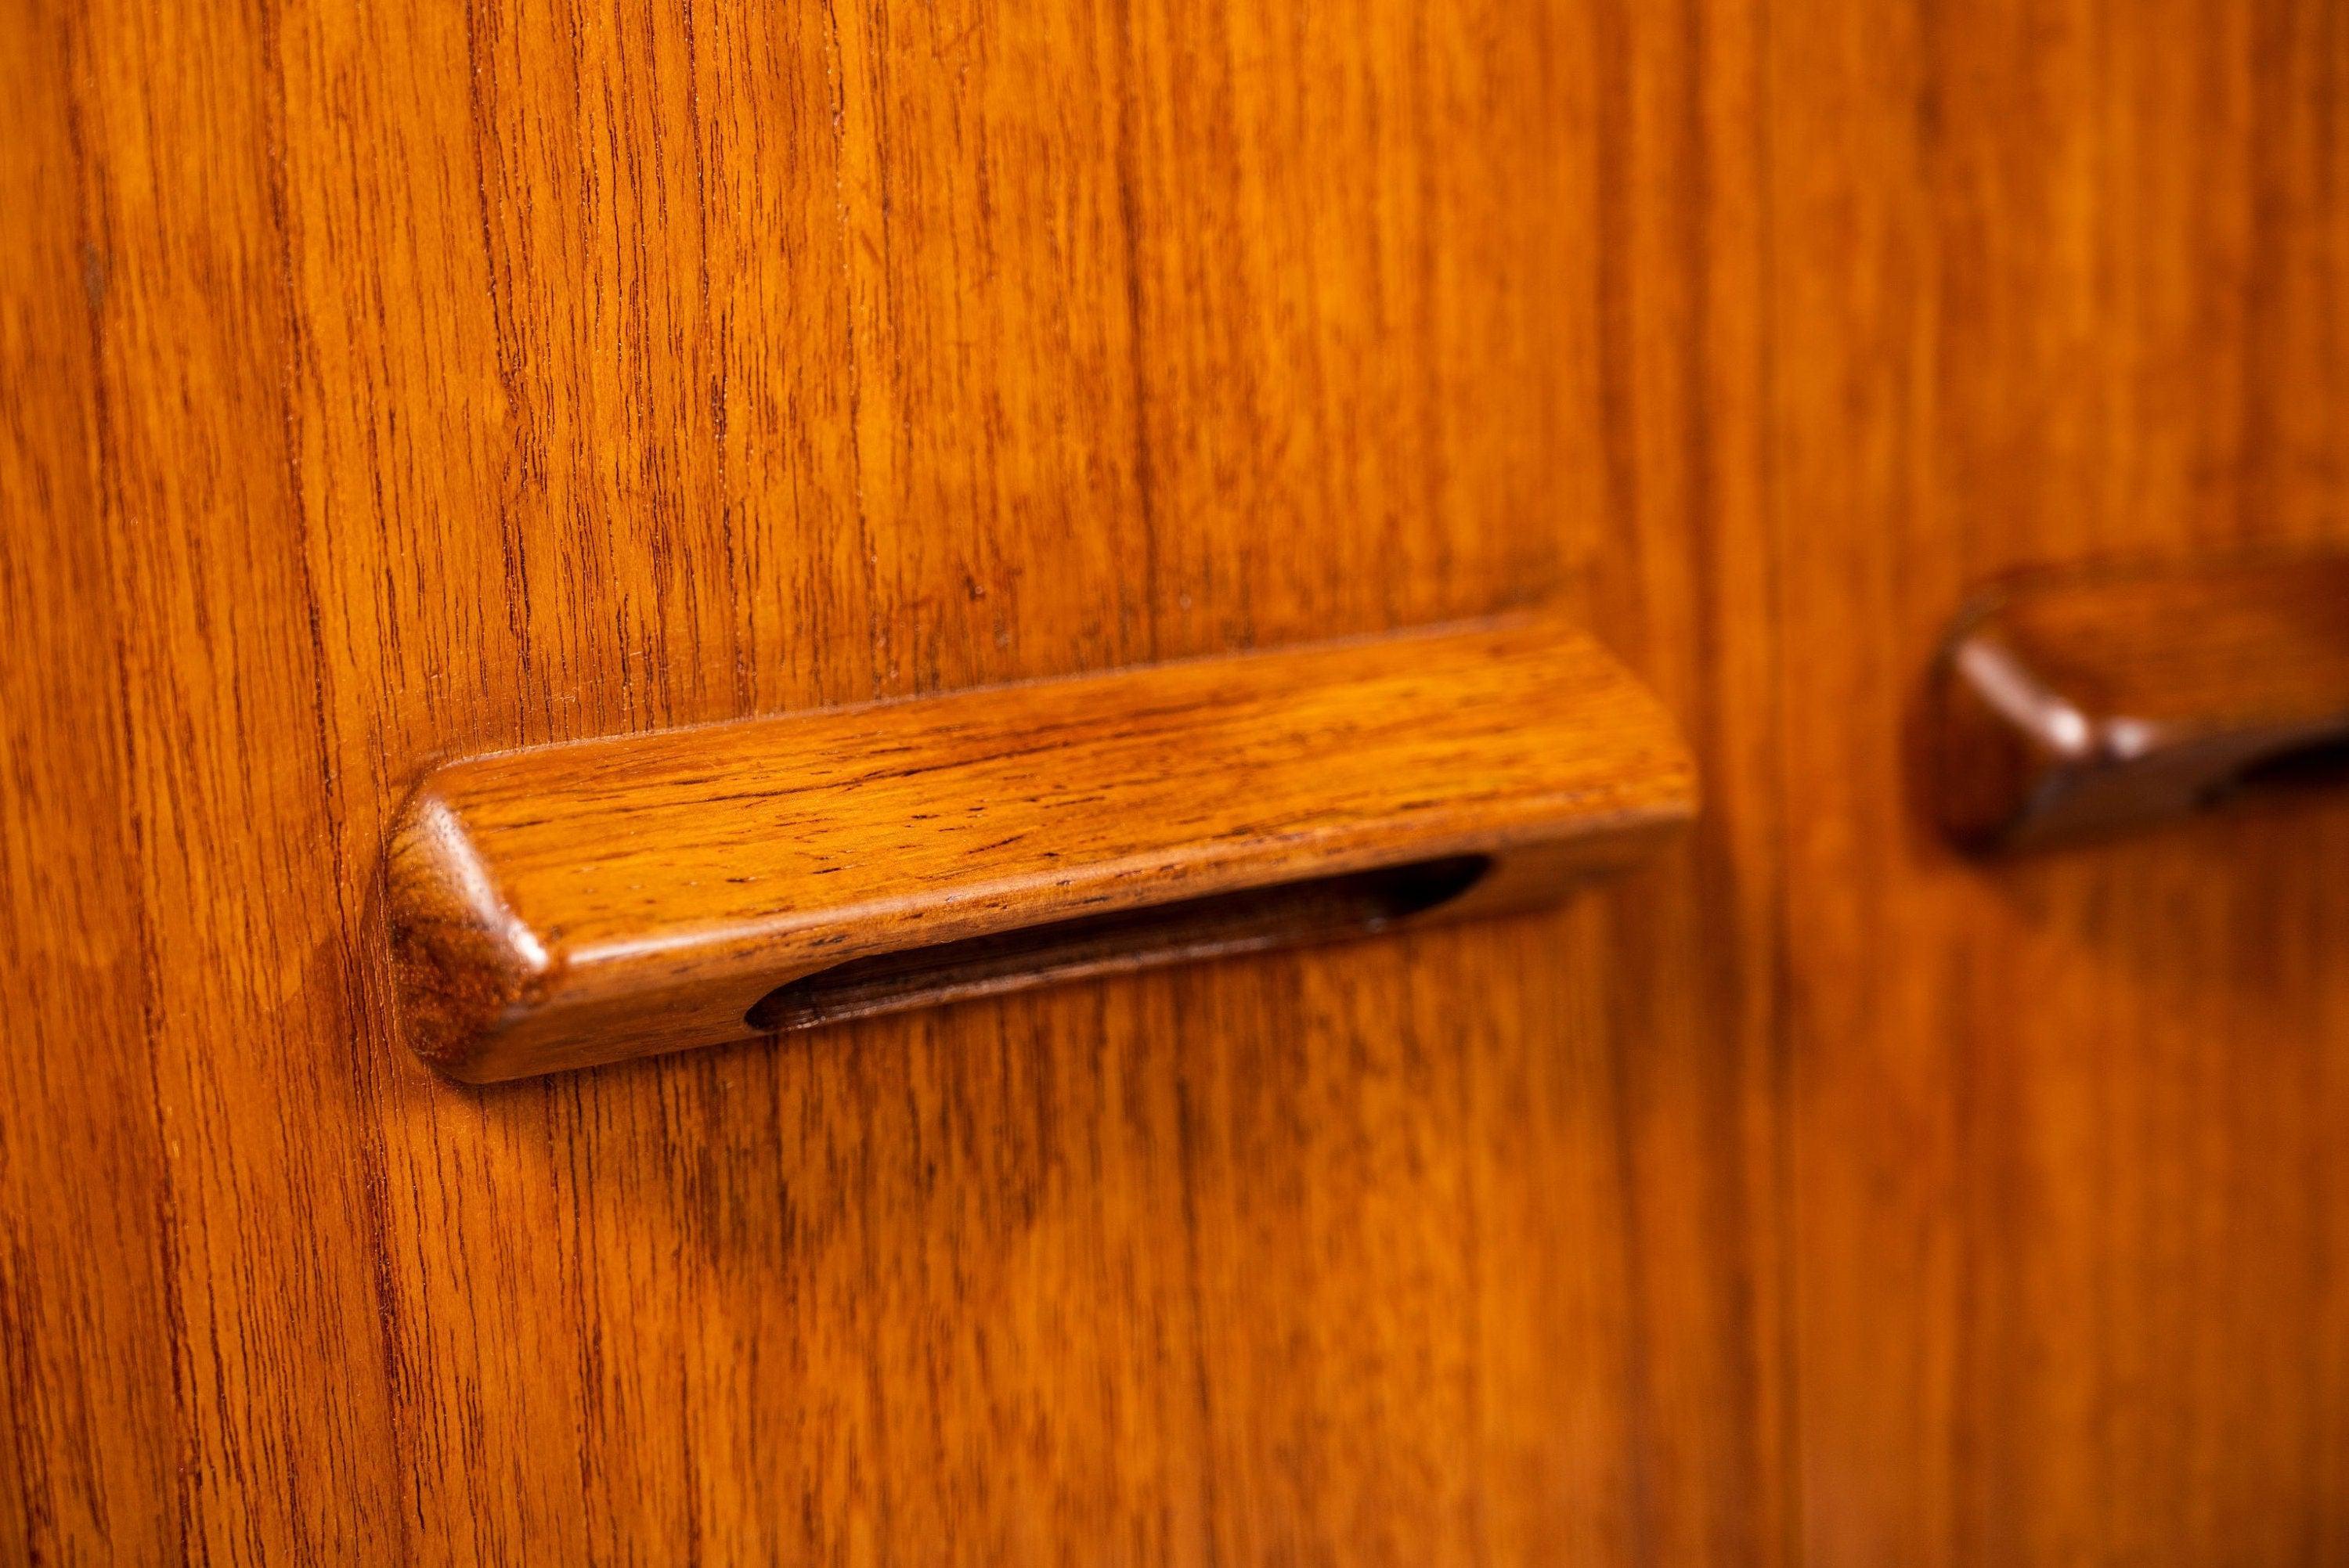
(393, 383)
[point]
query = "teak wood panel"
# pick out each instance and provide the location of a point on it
(395, 382)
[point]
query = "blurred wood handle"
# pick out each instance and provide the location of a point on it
(576, 904)
(2070, 706)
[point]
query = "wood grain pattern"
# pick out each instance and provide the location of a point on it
(2083, 704)
(569, 906)
(407, 381)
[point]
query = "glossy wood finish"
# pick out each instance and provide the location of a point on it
(407, 381)
(2084, 704)
(569, 906)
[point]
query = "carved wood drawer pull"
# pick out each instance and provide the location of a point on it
(2075, 705)
(583, 903)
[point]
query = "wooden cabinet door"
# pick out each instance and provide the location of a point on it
(391, 383)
